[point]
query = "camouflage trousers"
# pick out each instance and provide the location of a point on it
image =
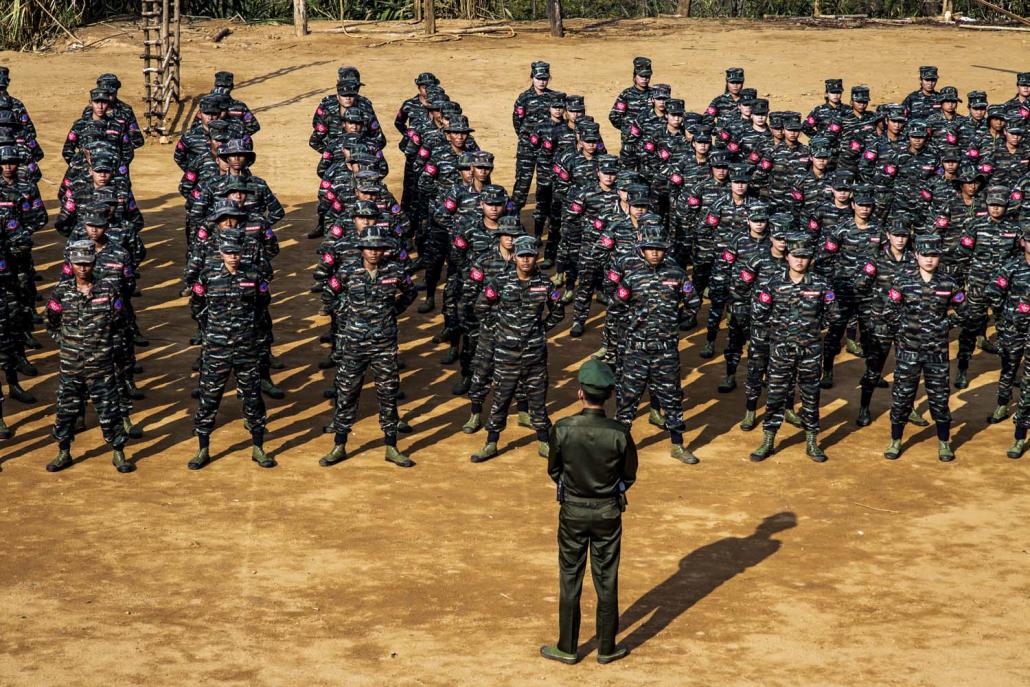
(483, 368)
(23, 267)
(589, 274)
(793, 363)
(544, 201)
(452, 297)
(654, 367)
(702, 275)
(850, 309)
(1011, 344)
(876, 352)
(568, 257)
(527, 368)
(935, 369)
(1022, 415)
(757, 366)
(216, 363)
(525, 165)
(738, 333)
(101, 388)
(974, 322)
(354, 359)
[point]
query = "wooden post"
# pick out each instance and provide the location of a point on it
(429, 15)
(554, 17)
(417, 6)
(300, 18)
(683, 8)
(816, 10)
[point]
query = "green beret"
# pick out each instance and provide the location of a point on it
(596, 377)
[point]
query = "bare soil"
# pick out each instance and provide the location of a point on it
(896, 573)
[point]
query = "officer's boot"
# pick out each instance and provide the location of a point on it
(258, 455)
(683, 454)
(444, 334)
(543, 449)
(916, 419)
(708, 350)
(20, 395)
(133, 390)
(893, 450)
(791, 418)
(271, 390)
(132, 431)
(120, 464)
(748, 423)
(275, 363)
(30, 341)
(568, 296)
(577, 330)
(450, 356)
(728, 384)
(655, 418)
(472, 425)
(827, 381)
(986, 345)
(80, 422)
(397, 458)
(62, 461)
(944, 452)
(864, 418)
(461, 387)
(766, 448)
(338, 454)
(23, 366)
(999, 414)
(486, 453)
(523, 419)
(403, 427)
(812, 447)
(961, 378)
(201, 458)
(139, 340)
(1016, 449)
(854, 348)
(427, 305)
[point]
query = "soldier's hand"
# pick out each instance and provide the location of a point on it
(558, 279)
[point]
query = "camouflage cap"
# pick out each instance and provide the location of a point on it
(760, 106)
(373, 236)
(426, 79)
(230, 242)
(233, 183)
(525, 245)
(863, 195)
(998, 195)
(540, 70)
(661, 91)
(719, 159)
(627, 178)
(652, 237)
(103, 163)
(557, 100)
(1023, 79)
(464, 161)
(638, 195)
(347, 88)
(492, 194)
(238, 146)
(917, 128)
(458, 125)
(109, 81)
(81, 253)
(900, 226)
(10, 154)
(1015, 125)
(758, 212)
(834, 85)
(781, 224)
(792, 122)
(510, 225)
(608, 164)
(800, 245)
(977, 99)
(101, 95)
(735, 75)
(225, 80)
(96, 215)
(596, 377)
(968, 174)
(860, 94)
(483, 159)
(775, 120)
(226, 208)
(929, 244)
(213, 104)
(221, 130)
(950, 154)
(365, 208)
(748, 96)
(740, 173)
(575, 103)
(641, 66)
(347, 71)
(929, 73)
(948, 94)
(353, 115)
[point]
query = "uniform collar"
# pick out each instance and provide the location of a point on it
(593, 411)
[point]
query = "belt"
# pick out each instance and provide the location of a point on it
(592, 502)
(651, 346)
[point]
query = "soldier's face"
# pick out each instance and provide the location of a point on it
(738, 188)
(820, 163)
(720, 173)
(346, 100)
(842, 197)
(927, 85)
(540, 83)
(94, 234)
(996, 211)
(506, 242)
(779, 244)
(492, 212)
(659, 105)
(734, 88)
(9, 169)
(1023, 91)
(373, 256)
(977, 113)
(702, 146)
(362, 222)
(466, 175)
(83, 270)
(353, 127)
(572, 116)
(653, 256)
(950, 166)
(556, 112)
(457, 138)
(928, 263)
(1013, 139)
(525, 263)
(236, 162)
(239, 197)
(606, 179)
(422, 91)
(481, 173)
(745, 111)
(636, 211)
(897, 242)
(797, 264)
(949, 106)
(970, 188)
(791, 135)
(590, 147)
(641, 81)
(833, 98)
(996, 123)
(759, 120)
(894, 126)
(757, 227)
(101, 178)
(859, 106)
(917, 142)
(231, 260)
(100, 107)
(863, 211)
(675, 121)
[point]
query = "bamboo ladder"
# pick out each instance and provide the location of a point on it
(161, 22)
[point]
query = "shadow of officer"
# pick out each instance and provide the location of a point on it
(700, 573)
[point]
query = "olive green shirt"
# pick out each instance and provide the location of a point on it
(591, 454)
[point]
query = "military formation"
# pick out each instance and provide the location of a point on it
(853, 226)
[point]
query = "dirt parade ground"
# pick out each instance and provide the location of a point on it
(911, 572)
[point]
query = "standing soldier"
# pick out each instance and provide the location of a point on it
(531, 109)
(224, 300)
(916, 317)
(16, 106)
(366, 294)
(796, 304)
(1009, 297)
(593, 460)
(236, 110)
(525, 307)
(657, 296)
(922, 103)
(83, 315)
(631, 103)
(726, 103)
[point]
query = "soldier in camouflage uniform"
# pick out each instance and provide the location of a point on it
(726, 103)
(656, 295)
(83, 317)
(921, 103)
(198, 138)
(888, 261)
(236, 110)
(366, 294)
(1009, 297)
(412, 112)
(15, 105)
(796, 304)
(987, 244)
(831, 110)
(224, 301)
(98, 124)
(120, 110)
(629, 104)
(916, 317)
(524, 306)
(530, 110)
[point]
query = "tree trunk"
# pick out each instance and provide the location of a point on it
(683, 8)
(429, 14)
(554, 17)
(300, 18)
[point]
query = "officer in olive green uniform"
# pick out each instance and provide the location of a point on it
(594, 461)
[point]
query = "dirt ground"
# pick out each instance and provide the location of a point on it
(904, 573)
